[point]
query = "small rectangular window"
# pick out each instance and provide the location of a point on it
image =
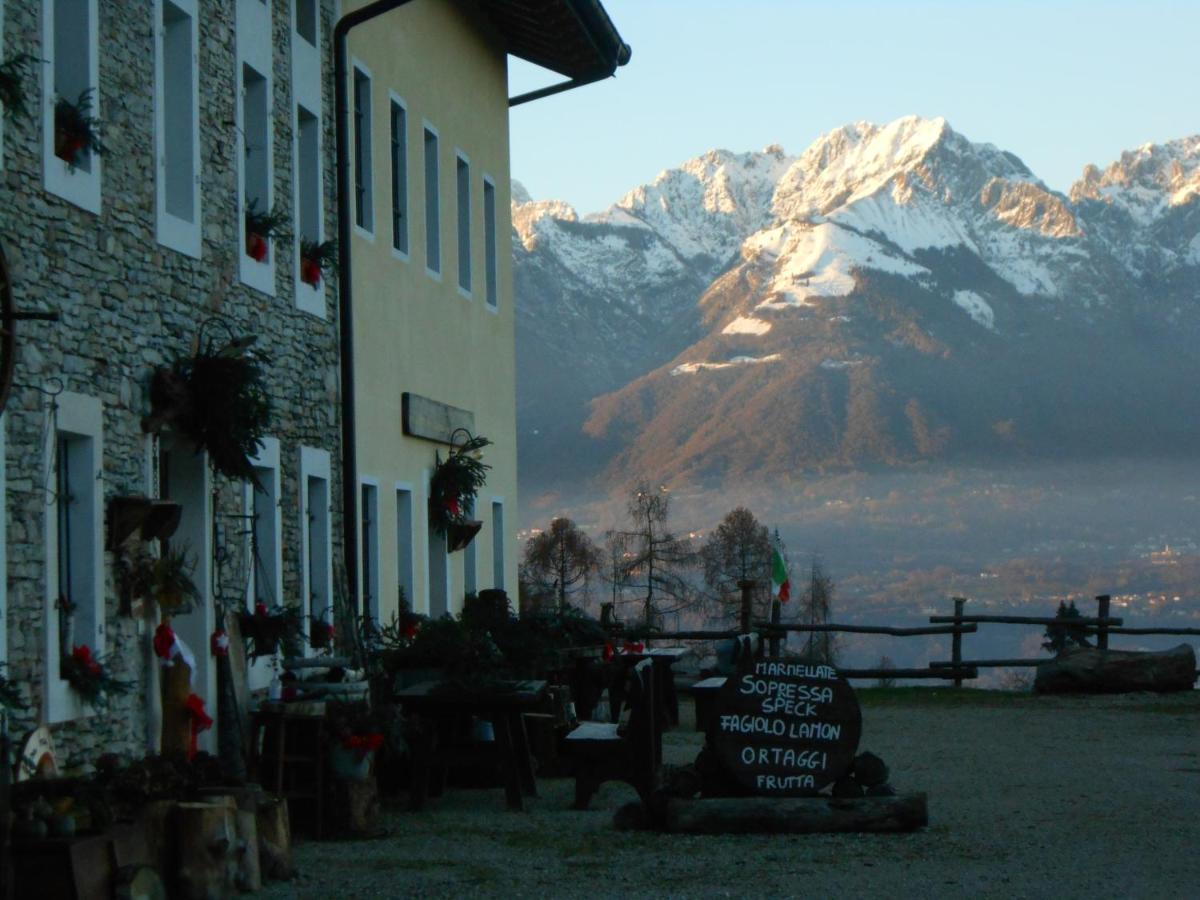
(256, 122)
(399, 178)
(463, 196)
(470, 575)
(308, 176)
(70, 78)
(179, 113)
(264, 538)
(489, 243)
(369, 577)
(75, 498)
(306, 20)
(498, 544)
(433, 224)
(404, 548)
(317, 549)
(72, 53)
(364, 214)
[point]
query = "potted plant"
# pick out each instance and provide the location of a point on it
(218, 399)
(12, 84)
(352, 754)
(261, 227)
(315, 260)
(88, 675)
(266, 630)
(167, 579)
(320, 632)
(76, 130)
(456, 482)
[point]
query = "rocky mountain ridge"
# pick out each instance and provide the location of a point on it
(894, 294)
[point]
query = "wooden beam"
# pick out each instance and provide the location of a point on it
(797, 815)
(948, 673)
(989, 663)
(871, 629)
(431, 420)
(1029, 620)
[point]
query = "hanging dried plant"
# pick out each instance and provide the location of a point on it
(13, 73)
(316, 260)
(261, 227)
(456, 482)
(76, 130)
(217, 398)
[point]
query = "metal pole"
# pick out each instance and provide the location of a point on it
(956, 641)
(1102, 603)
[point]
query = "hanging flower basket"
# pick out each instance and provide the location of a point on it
(12, 84)
(455, 484)
(261, 227)
(218, 399)
(320, 633)
(315, 260)
(166, 579)
(76, 130)
(266, 631)
(88, 675)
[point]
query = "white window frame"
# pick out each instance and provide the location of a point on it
(498, 544)
(254, 49)
(3, 528)
(433, 235)
(369, 582)
(491, 255)
(410, 583)
(367, 229)
(306, 91)
(78, 186)
(396, 101)
(462, 235)
(173, 231)
(315, 464)
(82, 416)
(266, 465)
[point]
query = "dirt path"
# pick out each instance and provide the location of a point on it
(1088, 797)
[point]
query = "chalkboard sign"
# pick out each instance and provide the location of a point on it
(786, 728)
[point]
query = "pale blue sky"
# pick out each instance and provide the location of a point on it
(1060, 83)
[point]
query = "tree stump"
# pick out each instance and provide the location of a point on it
(356, 806)
(1092, 671)
(207, 863)
(176, 720)
(274, 839)
(797, 815)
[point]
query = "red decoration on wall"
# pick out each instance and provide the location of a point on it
(218, 644)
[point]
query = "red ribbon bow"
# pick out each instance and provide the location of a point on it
(201, 721)
(260, 609)
(83, 655)
(219, 643)
(164, 640)
(633, 647)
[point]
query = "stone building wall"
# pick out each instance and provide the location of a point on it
(128, 305)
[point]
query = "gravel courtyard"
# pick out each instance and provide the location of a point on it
(1028, 797)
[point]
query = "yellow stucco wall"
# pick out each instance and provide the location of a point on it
(416, 332)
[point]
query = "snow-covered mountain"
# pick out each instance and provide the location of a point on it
(894, 293)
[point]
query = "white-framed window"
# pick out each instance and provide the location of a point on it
(177, 125)
(310, 285)
(437, 566)
(2, 117)
(255, 130)
(399, 146)
(3, 538)
(308, 24)
(498, 543)
(490, 259)
(368, 580)
(364, 193)
(73, 613)
(316, 573)
(185, 477)
(71, 70)
(264, 540)
(405, 543)
(433, 205)
(308, 200)
(462, 196)
(470, 563)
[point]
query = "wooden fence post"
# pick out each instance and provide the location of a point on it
(776, 614)
(1102, 602)
(956, 640)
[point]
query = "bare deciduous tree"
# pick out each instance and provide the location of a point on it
(560, 561)
(656, 561)
(816, 606)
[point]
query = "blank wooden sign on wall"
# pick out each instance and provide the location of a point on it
(433, 421)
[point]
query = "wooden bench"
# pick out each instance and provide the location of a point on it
(609, 751)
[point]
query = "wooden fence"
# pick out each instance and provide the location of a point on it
(957, 669)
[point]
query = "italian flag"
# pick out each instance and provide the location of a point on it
(781, 586)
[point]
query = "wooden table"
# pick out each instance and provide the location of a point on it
(443, 704)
